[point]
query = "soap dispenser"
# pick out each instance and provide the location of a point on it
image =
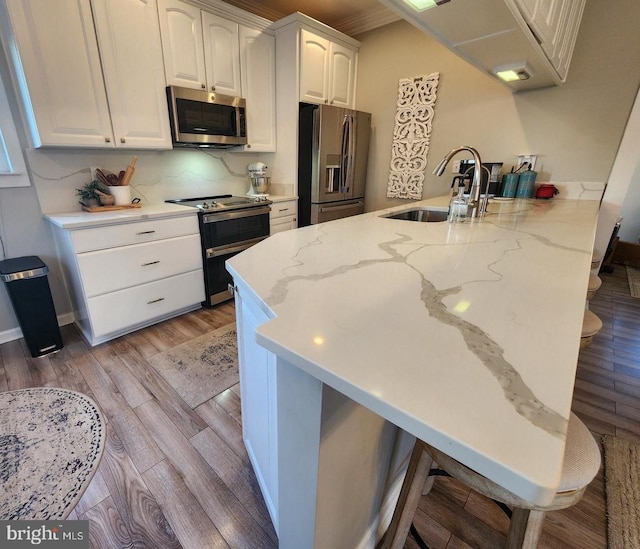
(458, 206)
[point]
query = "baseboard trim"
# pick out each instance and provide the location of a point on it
(16, 333)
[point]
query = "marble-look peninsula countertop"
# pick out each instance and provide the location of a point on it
(465, 335)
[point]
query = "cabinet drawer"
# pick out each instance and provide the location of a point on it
(123, 309)
(99, 238)
(284, 208)
(281, 224)
(105, 271)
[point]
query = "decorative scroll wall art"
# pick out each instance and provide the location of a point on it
(412, 135)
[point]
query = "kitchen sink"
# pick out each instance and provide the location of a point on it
(420, 214)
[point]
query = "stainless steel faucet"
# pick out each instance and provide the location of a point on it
(476, 209)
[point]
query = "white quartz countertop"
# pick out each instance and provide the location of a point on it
(465, 335)
(83, 220)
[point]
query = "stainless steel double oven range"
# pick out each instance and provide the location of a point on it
(228, 225)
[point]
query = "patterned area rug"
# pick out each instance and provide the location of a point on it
(202, 368)
(51, 442)
(622, 487)
(633, 276)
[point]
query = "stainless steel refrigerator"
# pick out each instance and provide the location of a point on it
(333, 149)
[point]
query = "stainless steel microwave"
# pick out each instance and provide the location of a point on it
(206, 119)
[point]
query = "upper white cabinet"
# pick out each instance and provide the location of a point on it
(535, 35)
(205, 50)
(342, 75)
(327, 70)
(129, 43)
(257, 66)
(314, 67)
(181, 33)
(62, 67)
(555, 24)
(57, 56)
(221, 54)
(314, 64)
(201, 50)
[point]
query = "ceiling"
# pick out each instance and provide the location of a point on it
(351, 17)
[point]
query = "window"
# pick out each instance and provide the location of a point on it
(13, 171)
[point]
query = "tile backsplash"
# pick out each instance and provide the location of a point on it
(159, 175)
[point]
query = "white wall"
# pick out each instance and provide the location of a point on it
(575, 129)
(622, 196)
(630, 204)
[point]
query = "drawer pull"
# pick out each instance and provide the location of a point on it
(150, 263)
(145, 232)
(283, 210)
(155, 300)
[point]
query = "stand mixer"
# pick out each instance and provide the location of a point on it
(259, 180)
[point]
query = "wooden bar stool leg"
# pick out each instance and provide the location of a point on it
(417, 473)
(525, 529)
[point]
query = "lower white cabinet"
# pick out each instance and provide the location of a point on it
(259, 405)
(284, 216)
(125, 276)
(144, 304)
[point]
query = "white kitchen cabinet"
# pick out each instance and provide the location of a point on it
(569, 33)
(221, 54)
(284, 216)
(129, 43)
(554, 24)
(314, 67)
(125, 276)
(535, 35)
(544, 18)
(57, 56)
(258, 386)
(258, 69)
(327, 71)
(204, 50)
(314, 64)
(62, 66)
(201, 49)
(342, 75)
(182, 44)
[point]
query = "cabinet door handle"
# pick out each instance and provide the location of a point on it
(203, 86)
(155, 300)
(145, 232)
(123, 140)
(213, 88)
(150, 263)
(107, 140)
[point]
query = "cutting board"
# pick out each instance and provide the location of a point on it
(94, 209)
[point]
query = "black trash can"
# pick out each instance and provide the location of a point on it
(28, 288)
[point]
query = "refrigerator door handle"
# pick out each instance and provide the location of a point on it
(345, 151)
(340, 207)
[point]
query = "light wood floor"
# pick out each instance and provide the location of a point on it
(176, 477)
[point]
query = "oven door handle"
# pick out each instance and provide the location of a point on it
(224, 216)
(226, 250)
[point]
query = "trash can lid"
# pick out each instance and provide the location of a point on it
(30, 266)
